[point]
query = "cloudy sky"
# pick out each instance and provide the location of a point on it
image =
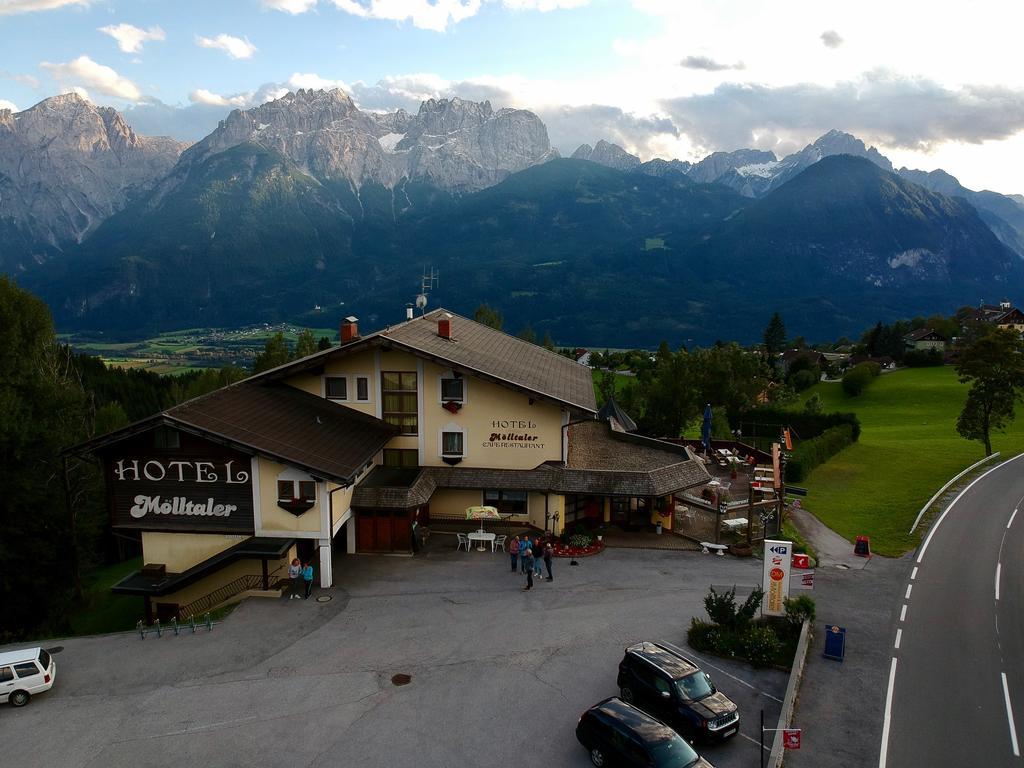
(930, 84)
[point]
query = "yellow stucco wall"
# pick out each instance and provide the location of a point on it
(277, 519)
(359, 364)
(221, 578)
(342, 500)
(490, 409)
(454, 503)
(180, 551)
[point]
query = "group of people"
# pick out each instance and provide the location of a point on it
(297, 574)
(529, 555)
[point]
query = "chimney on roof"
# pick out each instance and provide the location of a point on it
(408, 311)
(349, 329)
(444, 326)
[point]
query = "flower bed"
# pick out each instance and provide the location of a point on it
(567, 550)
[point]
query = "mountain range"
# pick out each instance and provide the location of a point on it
(307, 208)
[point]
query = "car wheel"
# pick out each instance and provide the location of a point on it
(627, 695)
(597, 757)
(19, 698)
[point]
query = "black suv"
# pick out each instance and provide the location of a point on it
(659, 679)
(617, 733)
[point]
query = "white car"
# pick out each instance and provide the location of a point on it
(25, 673)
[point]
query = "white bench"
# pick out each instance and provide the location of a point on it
(706, 547)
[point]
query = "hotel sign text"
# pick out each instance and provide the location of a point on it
(513, 433)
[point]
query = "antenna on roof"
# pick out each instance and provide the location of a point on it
(428, 281)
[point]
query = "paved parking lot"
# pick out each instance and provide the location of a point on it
(497, 674)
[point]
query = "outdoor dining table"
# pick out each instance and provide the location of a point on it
(482, 536)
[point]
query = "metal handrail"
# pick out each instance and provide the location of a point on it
(232, 588)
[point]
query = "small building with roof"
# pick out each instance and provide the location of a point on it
(925, 339)
(348, 449)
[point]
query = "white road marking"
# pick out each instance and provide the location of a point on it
(1011, 519)
(935, 527)
(903, 613)
(913, 573)
(741, 681)
(1009, 718)
(766, 748)
(999, 568)
(884, 754)
(909, 588)
(899, 635)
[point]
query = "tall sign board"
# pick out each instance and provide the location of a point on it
(775, 577)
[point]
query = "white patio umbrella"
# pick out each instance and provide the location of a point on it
(482, 513)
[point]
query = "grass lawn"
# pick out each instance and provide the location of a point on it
(621, 382)
(908, 449)
(103, 611)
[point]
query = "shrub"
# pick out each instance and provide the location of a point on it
(810, 453)
(857, 378)
(766, 422)
(721, 608)
(760, 645)
(923, 358)
(814, 406)
(699, 636)
(805, 379)
(799, 609)
(580, 540)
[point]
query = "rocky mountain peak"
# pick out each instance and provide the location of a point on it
(606, 153)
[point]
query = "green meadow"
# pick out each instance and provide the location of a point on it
(907, 450)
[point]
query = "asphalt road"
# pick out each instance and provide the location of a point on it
(955, 693)
(498, 675)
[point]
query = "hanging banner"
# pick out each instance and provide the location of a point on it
(775, 579)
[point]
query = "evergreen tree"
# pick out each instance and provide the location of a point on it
(774, 336)
(275, 352)
(324, 343)
(547, 343)
(527, 334)
(488, 316)
(305, 344)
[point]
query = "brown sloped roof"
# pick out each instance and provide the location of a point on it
(294, 425)
(476, 348)
(601, 462)
(278, 421)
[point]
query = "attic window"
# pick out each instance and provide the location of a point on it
(166, 439)
(453, 390)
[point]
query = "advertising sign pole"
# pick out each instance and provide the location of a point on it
(775, 576)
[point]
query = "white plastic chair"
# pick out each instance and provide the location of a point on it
(463, 542)
(498, 543)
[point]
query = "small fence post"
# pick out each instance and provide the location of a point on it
(192, 623)
(209, 622)
(140, 629)
(174, 625)
(159, 632)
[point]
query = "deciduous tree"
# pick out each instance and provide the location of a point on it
(993, 364)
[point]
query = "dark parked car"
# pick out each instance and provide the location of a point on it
(659, 679)
(618, 734)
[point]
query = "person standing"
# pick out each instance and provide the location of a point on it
(538, 551)
(528, 560)
(295, 576)
(523, 546)
(548, 553)
(513, 551)
(307, 576)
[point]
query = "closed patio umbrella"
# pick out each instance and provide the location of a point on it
(705, 429)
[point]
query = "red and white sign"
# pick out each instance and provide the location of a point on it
(804, 580)
(778, 556)
(801, 562)
(791, 738)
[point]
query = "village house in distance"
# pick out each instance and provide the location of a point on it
(342, 451)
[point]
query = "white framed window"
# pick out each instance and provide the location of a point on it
(451, 443)
(336, 388)
(362, 389)
(451, 388)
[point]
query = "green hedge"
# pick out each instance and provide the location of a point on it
(765, 422)
(810, 453)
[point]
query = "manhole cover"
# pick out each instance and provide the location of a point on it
(55, 649)
(324, 599)
(401, 679)
(843, 567)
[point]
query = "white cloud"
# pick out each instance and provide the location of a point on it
(129, 38)
(831, 38)
(314, 81)
(83, 71)
(8, 7)
(203, 96)
(5, 104)
(235, 47)
(425, 14)
(290, 6)
(543, 5)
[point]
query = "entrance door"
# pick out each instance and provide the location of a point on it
(366, 537)
(383, 532)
